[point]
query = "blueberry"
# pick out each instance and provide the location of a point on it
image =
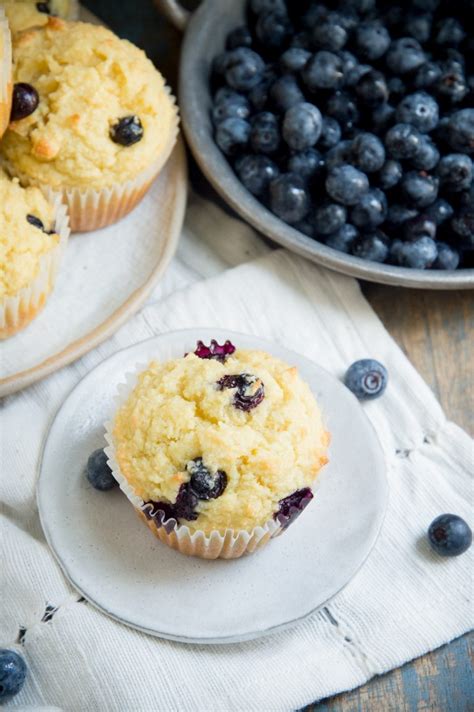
(273, 30)
(395, 252)
(259, 94)
(448, 257)
(455, 172)
(25, 101)
(420, 188)
(316, 12)
(450, 32)
(345, 184)
(421, 226)
(398, 214)
(405, 55)
(98, 471)
(285, 92)
(452, 84)
(371, 89)
(12, 673)
(232, 135)
(396, 88)
(250, 390)
(323, 71)
(244, 69)
(353, 74)
(289, 197)
(419, 254)
(372, 40)
(329, 35)
(418, 25)
(43, 7)
(343, 239)
(348, 18)
(307, 164)
(463, 225)
(402, 141)
(291, 507)
(340, 154)
(420, 110)
(330, 133)
(366, 379)
(240, 37)
(256, 173)
(382, 117)
(204, 484)
(426, 156)
(349, 62)
(427, 75)
(342, 107)
(368, 152)
(390, 174)
(371, 210)
(460, 131)
(258, 6)
(294, 59)
(372, 246)
(235, 106)
(265, 133)
(439, 211)
(449, 535)
(223, 94)
(301, 40)
(329, 218)
(305, 226)
(302, 126)
(216, 351)
(426, 5)
(36, 222)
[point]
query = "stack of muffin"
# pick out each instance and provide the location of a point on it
(86, 124)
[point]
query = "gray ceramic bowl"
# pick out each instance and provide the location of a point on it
(205, 33)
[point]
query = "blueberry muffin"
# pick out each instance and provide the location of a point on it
(103, 125)
(33, 233)
(23, 14)
(219, 441)
(5, 72)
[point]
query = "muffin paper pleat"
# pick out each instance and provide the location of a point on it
(232, 544)
(5, 73)
(18, 310)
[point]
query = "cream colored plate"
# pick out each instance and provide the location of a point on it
(105, 278)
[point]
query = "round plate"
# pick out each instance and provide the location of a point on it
(204, 39)
(118, 565)
(105, 277)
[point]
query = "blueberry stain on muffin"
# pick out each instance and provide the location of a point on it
(250, 391)
(127, 131)
(36, 222)
(291, 507)
(43, 7)
(25, 101)
(214, 350)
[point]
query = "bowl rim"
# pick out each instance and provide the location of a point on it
(194, 96)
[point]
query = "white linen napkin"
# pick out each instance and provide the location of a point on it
(404, 601)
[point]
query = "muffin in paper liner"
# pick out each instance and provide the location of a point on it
(6, 84)
(230, 545)
(92, 209)
(18, 310)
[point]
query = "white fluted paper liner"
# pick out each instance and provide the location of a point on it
(230, 545)
(91, 209)
(18, 310)
(5, 72)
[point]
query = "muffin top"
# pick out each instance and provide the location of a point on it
(104, 114)
(26, 219)
(220, 443)
(23, 14)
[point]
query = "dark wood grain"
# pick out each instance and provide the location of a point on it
(436, 331)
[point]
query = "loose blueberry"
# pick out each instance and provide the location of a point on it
(259, 95)
(307, 164)
(397, 89)
(127, 131)
(405, 55)
(302, 126)
(455, 172)
(12, 673)
(450, 32)
(345, 184)
(371, 89)
(418, 25)
(324, 70)
(215, 350)
(294, 59)
(250, 390)
(372, 246)
(204, 484)
(439, 211)
(449, 535)
(421, 226)
(427, 75)
(285, 92)
(273, 30)
(99, 473)
(256, 173)
(343, 108)
(329, 218)
(426, 155)
(330, 134)
(448, 257)
(265, 133)
(420, 188)
(398, 214)
(420, 110)
(368, 152)
(289, 508)
(340, 154)
(25, 101)
(244, 69)
(382, 118)
(372, 40)
(460, 131)
(232, 135)
(289, 197)
(402, 141)
(463, 225)
(390, 174)
(235, 106)
(343, 239)
(419, 254)
(329, 35)
(367, 379)
(452, 85)
(370, 211)
(240, 37)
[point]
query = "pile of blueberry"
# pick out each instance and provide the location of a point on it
(353, 121)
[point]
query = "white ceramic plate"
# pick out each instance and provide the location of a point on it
(118, 565)
(105, 277)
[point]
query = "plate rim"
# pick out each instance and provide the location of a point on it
(17, 381)
(220, 640)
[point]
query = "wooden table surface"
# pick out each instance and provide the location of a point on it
(436, 331)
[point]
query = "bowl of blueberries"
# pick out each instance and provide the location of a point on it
(342, 130)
